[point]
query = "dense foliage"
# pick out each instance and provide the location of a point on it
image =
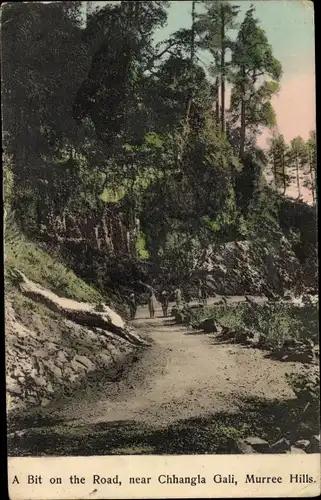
(98, 119)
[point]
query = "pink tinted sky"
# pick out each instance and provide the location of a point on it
(295, 106)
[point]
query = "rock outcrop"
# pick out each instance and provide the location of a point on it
(51, 354)
(238, 268)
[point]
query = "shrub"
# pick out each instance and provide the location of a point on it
(276, 322)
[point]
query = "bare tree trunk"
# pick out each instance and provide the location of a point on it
(222, 69)
(312, 177)
(283, 174)
(242, 130)
(191, 92)
(298, 177)
(217, 101)
(243, 121)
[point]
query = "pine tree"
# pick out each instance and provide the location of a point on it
(213, 27)
(278, 151)
(312, 160)
(298, 156)
(254, 66)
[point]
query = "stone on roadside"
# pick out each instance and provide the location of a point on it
(253, 339)
(314, 444)
(302, 443)
(281, 446)
(241, 446)
(259, 445)
(209, 325)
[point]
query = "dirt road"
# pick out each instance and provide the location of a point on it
(185, 394)
(184, 374)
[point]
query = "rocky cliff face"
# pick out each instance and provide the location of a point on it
(235, 268)
(55, 349)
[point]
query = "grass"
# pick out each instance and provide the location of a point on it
(43, 269)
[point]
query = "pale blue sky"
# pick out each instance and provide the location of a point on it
(289, 25)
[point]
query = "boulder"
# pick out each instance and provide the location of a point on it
(302, 443)
(209, 325)
(40, 381)
(240, 446)
(281, 446)
(254, 339)
(179, 317)
(315, 444)
(259, 445)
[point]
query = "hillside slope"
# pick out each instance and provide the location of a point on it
(57, 342)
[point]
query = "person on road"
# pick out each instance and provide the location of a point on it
(151, 303)
(202, 293)
(178, 297)
(132, 306)
(164, 301)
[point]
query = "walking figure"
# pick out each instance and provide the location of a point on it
(202, 292)
(132, 306)
(178, 297)
(151, 303)
(164, 302)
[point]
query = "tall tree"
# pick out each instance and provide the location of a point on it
(298, 155)
(214, 26)
(312, 159)
(254, 66)
(278, 151)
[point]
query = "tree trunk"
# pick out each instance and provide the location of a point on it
(275, 171)
(298, 178)
(191, 90)
(242, 130)
(222, 69)
(283, 174)
(243, 122)
(217, 101)
(312, 177)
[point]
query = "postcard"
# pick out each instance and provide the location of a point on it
(161, 269)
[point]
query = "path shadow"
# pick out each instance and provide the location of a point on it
(215, 434)
(198, 332)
